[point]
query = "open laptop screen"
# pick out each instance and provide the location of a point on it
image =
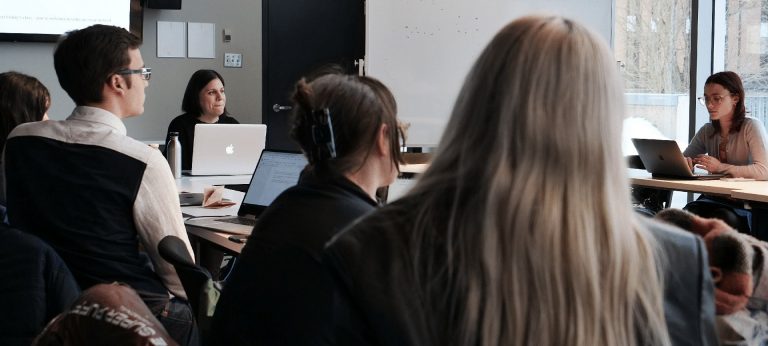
(227, 149)
(275, 172)
(663, 158)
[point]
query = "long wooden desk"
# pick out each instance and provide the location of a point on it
(215, 239)
(752, 191)
(755, 191)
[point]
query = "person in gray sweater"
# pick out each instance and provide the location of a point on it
(731, 143)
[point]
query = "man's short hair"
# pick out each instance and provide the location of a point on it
(86, 58)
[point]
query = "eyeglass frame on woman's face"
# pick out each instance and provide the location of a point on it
(144, 73)
(714, 100)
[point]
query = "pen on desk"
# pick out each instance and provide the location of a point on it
(237, 239)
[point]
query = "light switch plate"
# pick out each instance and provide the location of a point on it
(233, 60)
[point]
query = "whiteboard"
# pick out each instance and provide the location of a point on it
(423, 49)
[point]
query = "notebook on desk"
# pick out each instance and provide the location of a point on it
(400, 186)
(275, 172)
(663, 158)
(227, 149)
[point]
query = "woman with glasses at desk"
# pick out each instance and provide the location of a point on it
(731, 143)
(279, 293)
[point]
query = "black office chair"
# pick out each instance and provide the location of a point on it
(634, 161)
(722, 211)
(648, 201)
(202, 291)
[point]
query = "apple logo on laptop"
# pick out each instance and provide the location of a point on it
(230, 149)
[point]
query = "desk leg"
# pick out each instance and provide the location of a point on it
(210, 249)
(760, 220)
(195, 248)
(211, 259)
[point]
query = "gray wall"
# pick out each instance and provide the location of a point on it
(169, 75)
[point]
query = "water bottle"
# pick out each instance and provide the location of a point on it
(173, 150)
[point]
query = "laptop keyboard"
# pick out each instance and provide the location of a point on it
(239, 221)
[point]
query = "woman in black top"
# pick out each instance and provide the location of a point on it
(204, 103)
(23, 99)
(278, 292)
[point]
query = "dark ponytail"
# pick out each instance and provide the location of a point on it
(336, 119)
(306, 125)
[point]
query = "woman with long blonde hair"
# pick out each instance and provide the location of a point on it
(521, 231)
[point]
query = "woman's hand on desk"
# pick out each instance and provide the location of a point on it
(708, 163)
(690, 163)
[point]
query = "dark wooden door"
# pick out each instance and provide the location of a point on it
(299, 37)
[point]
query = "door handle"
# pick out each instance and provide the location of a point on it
(277, 108)
(361, 68)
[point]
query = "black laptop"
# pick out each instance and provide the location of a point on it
(275, 172)
(663, 158)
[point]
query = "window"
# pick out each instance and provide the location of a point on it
(652, 42)
(743, 48)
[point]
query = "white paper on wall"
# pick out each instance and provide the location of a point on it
(201, 41)
(171, 42)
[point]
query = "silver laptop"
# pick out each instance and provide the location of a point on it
(663, 158)
(227, 149)
(276, 171)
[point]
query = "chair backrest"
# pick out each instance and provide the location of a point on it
(38, 285)
(202, 292)
(633, 161)
(647, 201)
(193, 277)
(106, 314)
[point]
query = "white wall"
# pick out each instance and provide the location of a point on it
(422, 50)
(169, 75)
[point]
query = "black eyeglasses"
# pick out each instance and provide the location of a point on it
(144, 72)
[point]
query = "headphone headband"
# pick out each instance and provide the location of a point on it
(322, 134)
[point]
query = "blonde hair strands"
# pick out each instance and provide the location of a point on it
(529, 197)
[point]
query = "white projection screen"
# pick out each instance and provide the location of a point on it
(46, 20)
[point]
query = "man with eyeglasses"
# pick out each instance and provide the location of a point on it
(102, 199)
